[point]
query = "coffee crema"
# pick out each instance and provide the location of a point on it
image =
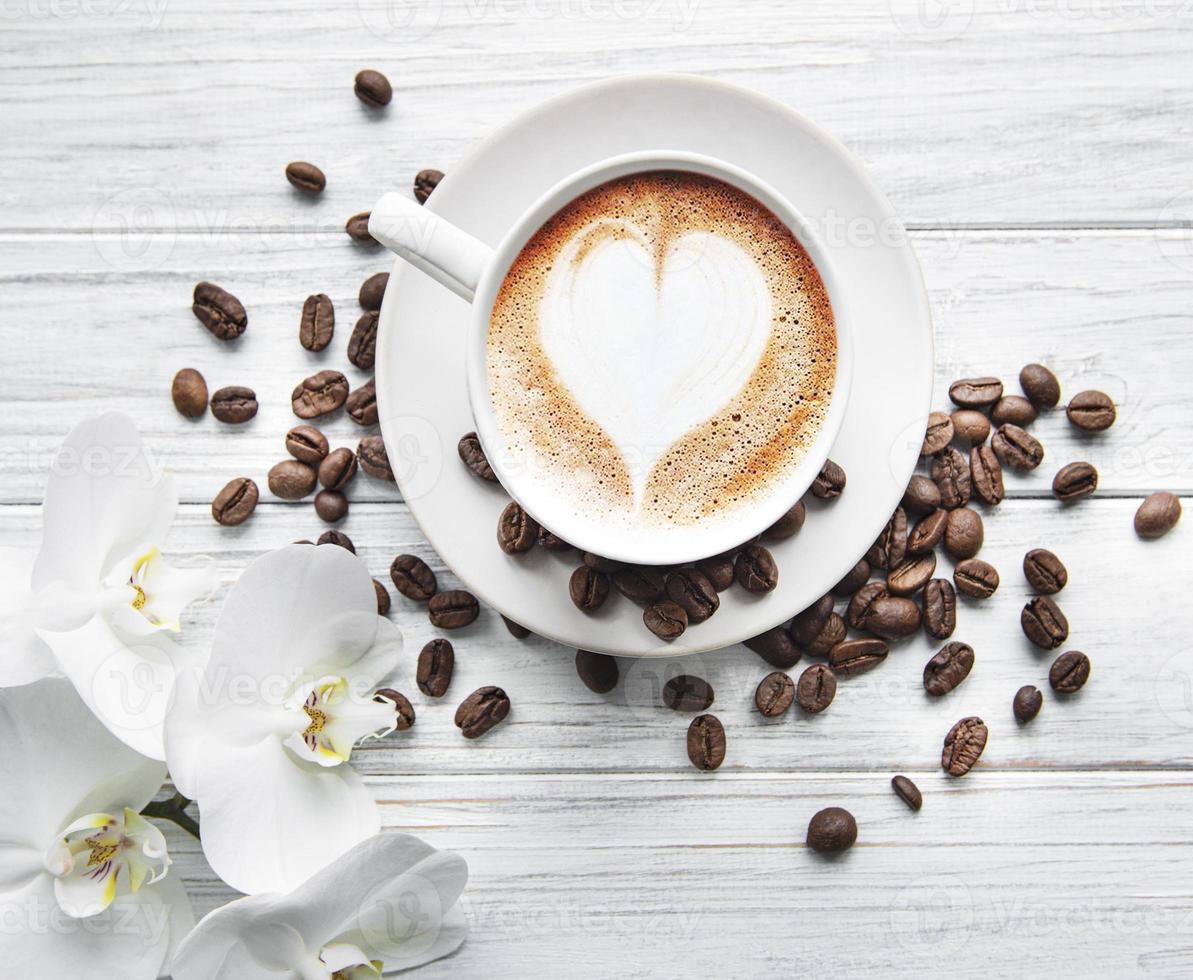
(661, 352)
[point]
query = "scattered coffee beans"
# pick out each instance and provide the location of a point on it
(891, 547)
(516, 630)
(436, 663)
(964, 533)
(517, 531)
(915, 572)
(1027, 703)
(975, 578)
(1157, 515)
(1040, 386)
(382, 598)
(358, 229)
(1069, 672)
(373, 88)
(598, 671)
(317, 323)
(667, 620)
(718, 570)
(986, 475)
(306, 444)
(472, 454)
(706, 742)
(337, 469)
(425, 181)
(940, 609)
(235, 502)
(908, 792)
(331, 506)
(402, 707)
(319, 394)
(362, 345)
(482, 711)
(1043, 623)
(948, 668)
(787, 525)
(816, 689)
(373, 459)
(1044, 571)
(970, 426)
(338, 538)
(776, 647)
(963, 746)
(372, 292)
(853, 579)
(306, 177)
(452, 610)
(1074, 481)
(922, 496)
(189, 392)
(589, 589)
(832, 831)
(690, 589)
(686, 692)
(775, 694)
(938, 434)
(219, 311)
(950, 473)
(413, 578)
(928, 532)
(234, 404)
(830, 482)
(975, 392)
(1014, 409)
(642, 584)
(755, 569)
(291, 480)
(1092, 411)
(362, 404)
(1017, 448)
(852, 657)
(860, 605)
(893, 617)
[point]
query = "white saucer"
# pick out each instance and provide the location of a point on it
(420, 351)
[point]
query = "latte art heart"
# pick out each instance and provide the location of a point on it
(650, 346)
(660, 354)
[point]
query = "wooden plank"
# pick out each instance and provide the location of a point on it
(999, 874)
(86, 333)
(988, 112)
(1125, 602)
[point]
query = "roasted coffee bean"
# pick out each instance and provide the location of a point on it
(975, 392)
(948, 668)
(472, 454)
(482, 711)
(234, 404)
(950, 472)
(1017, 448)
(373, 88)
(189, 392)
(372, 292)
(338, 538)
(940, 608)
(986, 472)
(307, 444)
(1044, 571)
(588, 588)
(893, 617)
(1040, 386)
(816, 689)
(694, 592)
(922, 496)
(452, 610)
(373, 459)
(832, 831)
(362, 345)
(362, 404)
(706, 742)
(642, 584)
(552, 541)
(516, 630)
(938, 434)
(776, 647)
(928, 532)
(1074, 481)
(319, 394)
(788, 524)
(235, 502)
(853, 579)
(291, 480)
(963, 746)
(598, 671)
(912, 575)
(830, 482)
(975, 578)
(1069, 672)
(426, 181)
(413, 578)
(808, 624)
(599, 564)
(1158, 514)
(718, 570)
(775, 694)
(436, 663)
(331, 505)
(970, 426)
(686, 692)
(317, 324)
(666, 620)
(306, 177)
(755, 569)
(1092, 411)
(852, 657)
(517, 531)
(964, 533)
(831, 633)
(1014, 409)
(1027, 704)
(219, 311)
(1043, 623)
(908, 792)
(402, 707)
(338, 468)
(862, 602)
(358, 229)
(382, 598)
(891, 547)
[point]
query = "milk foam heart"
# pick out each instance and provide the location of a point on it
(650, 349)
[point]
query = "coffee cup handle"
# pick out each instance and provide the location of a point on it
(437, 247)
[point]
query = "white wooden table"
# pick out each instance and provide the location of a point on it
(1040, 154)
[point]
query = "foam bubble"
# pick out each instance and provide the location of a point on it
(732, 384)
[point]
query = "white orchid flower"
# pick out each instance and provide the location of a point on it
(98, 598)
(388, 904)
(84, 879)
(260, 737)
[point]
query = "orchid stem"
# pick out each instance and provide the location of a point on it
(174, 809)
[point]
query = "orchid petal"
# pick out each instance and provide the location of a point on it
(269, 821)
(105, 499)
(153, 593)
(24, 657)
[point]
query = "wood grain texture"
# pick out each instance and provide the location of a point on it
(1000, 874)
(184, 113)
(89, 326)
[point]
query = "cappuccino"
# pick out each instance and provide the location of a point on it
(661, 353)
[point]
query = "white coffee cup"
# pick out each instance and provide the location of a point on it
(475, 272)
